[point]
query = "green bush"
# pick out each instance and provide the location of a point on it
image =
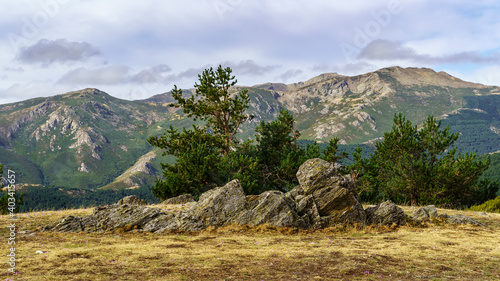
(423, 167)
(492, 206)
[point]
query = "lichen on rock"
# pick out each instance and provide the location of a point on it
(323, 198)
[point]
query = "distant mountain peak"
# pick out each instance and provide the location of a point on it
(426, 76)
(88, 93)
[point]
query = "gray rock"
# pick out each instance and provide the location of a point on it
(182, 199)
(295, 192)
(315, 174)
(68, 224)
(132, 200)
(161, 223)
(307, 209)
(386, 213)
(335, 195)
(215, 207)
(112, 217)
(272, 207)
(424, 214)
(461, 219)
(109, 218)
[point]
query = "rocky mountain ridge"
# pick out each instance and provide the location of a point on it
(89, 139)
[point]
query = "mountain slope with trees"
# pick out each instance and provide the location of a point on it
(88, 139)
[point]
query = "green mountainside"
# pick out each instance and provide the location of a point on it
(88, 139)
(82, 139)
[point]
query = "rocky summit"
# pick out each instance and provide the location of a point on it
(323, 198)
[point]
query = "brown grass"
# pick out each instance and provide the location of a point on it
(443, 252)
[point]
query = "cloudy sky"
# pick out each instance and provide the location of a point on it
(136, 49)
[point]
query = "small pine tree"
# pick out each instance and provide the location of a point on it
(422, 167)
(203, 150)
(278, 153)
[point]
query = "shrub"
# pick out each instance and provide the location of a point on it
(492, 206)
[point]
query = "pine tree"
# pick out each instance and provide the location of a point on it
(422, 167)
(213, 103)
(201, 152)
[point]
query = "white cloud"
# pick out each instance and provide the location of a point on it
(489, 75)
(47, 52)
(290, 74)
(391, 51)
(18, 91)
(151, 75)
(249, 67)
(138, 48)
(115, 74)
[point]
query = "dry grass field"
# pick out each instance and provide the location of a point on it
(442, 252)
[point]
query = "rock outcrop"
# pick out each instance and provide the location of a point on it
(132, 200)
(109, 218)
(430, 214)
(424, 214)
(181, 199)
(333, 195)
(387, 213)
(323, 198)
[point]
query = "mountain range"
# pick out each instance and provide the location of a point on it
(88, 139)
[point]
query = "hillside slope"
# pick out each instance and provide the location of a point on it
(82, 139)
(89, 139)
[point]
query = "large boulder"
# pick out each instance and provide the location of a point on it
(109, 218)
(215, 207)
(334, 194)
(386, 213)
(131, 200)
(315, 174)
(272, 207)
(181, 199)
(424, 214)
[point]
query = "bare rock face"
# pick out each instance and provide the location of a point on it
(308, 210)
(132, 200)
(315, 174)
(272, 207)
(181, 199)
(386, 213)
(215, 207)
(334, 195)
(109, 218)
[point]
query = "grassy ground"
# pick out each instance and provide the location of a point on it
(444, 252)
